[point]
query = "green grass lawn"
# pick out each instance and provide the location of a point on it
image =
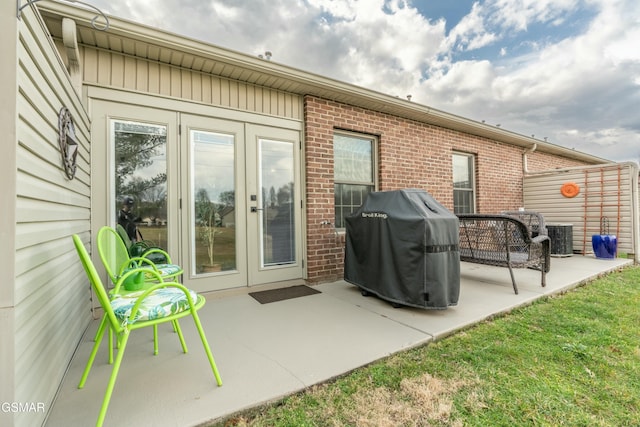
(569, 360)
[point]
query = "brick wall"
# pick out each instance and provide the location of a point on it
(543, 161)
(410, 155)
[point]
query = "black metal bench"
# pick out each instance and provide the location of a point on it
(532, 219)
(503, 241)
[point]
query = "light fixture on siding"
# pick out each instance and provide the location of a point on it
(103, 27)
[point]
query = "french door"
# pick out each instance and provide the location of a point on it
(240, 203)
(223, 196)
(274, 212)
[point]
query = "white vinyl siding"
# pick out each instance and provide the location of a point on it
(605, 191)
(113, 70)
(50, 306)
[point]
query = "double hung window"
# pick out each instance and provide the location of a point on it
(354, 172)
(463, 183)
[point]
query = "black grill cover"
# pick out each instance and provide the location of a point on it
(403, 246)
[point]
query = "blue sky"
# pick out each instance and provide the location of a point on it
(564, 70)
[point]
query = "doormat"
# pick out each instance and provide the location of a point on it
(274, 295)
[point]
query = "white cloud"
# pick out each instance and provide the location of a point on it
(519, 14)
(465, 83)
(588, 80)
(618, 144)
(471, 32)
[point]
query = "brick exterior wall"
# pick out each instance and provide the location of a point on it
(543, 162)
(410, 155)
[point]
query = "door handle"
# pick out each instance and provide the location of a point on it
(255, 209)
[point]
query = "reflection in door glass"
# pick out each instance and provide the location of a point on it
(141, 179)
(213, 219)
(276, 182)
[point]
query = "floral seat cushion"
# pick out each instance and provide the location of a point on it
(168, 269)
(160, 303)
(163, 269)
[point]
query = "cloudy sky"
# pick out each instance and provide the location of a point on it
(565, 70)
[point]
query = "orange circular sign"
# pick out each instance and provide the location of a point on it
(570, 189)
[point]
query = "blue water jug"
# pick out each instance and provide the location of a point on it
(604, 244)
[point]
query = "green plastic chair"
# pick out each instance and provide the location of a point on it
(117, 262)
(116, 259)
(124, 313)
(145, 248)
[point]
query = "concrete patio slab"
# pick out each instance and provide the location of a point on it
(265, 352)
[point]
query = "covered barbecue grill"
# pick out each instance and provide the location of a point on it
(403, 247)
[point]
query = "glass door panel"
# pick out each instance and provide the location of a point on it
(141, 179)
(213, 218)
(213, 225)
(278, 192)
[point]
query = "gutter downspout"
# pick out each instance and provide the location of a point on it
(525, 168)
(70, 41)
